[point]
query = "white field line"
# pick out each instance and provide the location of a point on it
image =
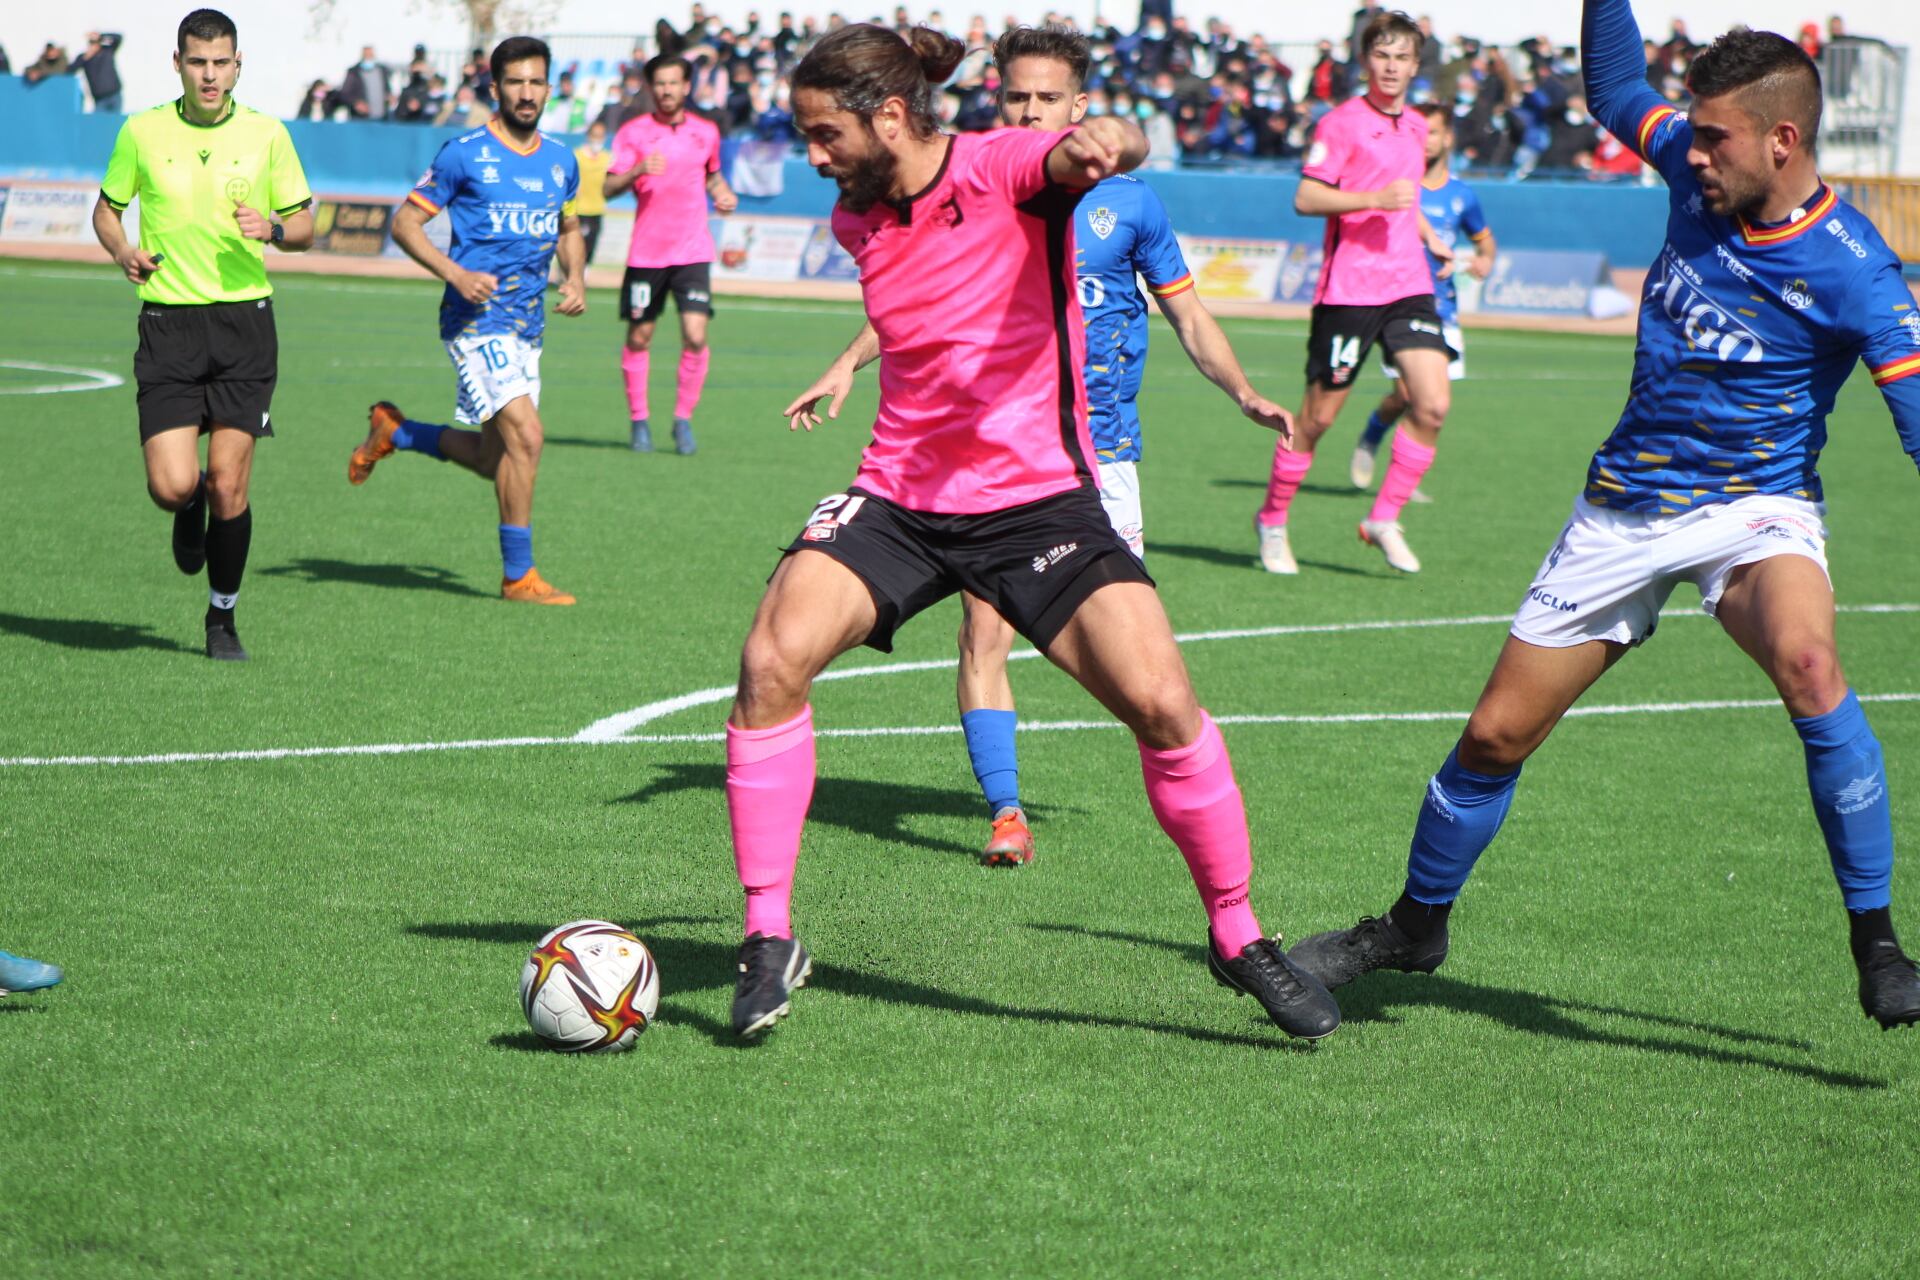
(91, 379)
(619, 728)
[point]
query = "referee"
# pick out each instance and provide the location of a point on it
(207, 172)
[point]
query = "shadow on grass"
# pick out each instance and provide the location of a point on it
(864, 807)
(1328, 490)
(402, 577)
(595, 442)
(697, 964)
(1530, 1011)
(1249, 558)
(84, 633)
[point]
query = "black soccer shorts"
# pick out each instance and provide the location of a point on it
(1341, 337)
(1035, 563)
(204, 366)
(644, 290)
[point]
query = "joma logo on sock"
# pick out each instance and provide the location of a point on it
(1224, 903)
(1861, 793)
(1437, 799)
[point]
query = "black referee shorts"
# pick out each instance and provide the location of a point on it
(1035, 563)
(206, 366)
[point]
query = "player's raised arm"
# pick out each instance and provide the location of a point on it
(1096, 151)
(1613, 62)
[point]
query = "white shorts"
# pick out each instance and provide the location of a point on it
(1120, 495)
(1611, 571)
(493, 369)
(1456, 368)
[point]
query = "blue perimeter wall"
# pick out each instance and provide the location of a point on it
(48, 136)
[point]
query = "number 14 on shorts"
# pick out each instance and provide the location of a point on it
(833, 511)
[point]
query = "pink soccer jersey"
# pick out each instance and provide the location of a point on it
(970, 287)
(670, 223)
(1372, 257)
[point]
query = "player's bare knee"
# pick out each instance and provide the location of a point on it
(1493, 744)
(772, 678)
(638, 341)
(1166, 717)
(226, 494)
(170, 494)
(1809, 675)
(1429, 415)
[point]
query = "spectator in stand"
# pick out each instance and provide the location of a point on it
(1614, 160)
(1327, 81)
(103, 78)
(318, 104)
(477, 75)
(1810, 40)
(6, 67)
(1571, 141)
(52, 62)
(366, 88)
(1431, 50)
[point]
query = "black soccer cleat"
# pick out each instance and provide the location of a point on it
(770, 969)
(1292, 997)
(190, 531)
(1339, 957)
(1890, 986)
(223, 643)
(683, 436)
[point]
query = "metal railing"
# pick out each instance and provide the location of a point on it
(1892, 205)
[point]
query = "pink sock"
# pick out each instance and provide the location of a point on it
(693, 376)
(769, 785)
(1198, 803)
(1289, 469)
(1410, 461)
(634, 365)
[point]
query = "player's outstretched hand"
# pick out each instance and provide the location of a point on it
(1396, 195)
(252, 224)
(573, 297)
(475, 286)
(725, 201)
(832, 387)
(1269, 415)
(1095, 148)
(137, 263)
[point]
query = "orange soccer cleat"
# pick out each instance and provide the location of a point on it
(1012, 843)
(383, 419)
(531, 588)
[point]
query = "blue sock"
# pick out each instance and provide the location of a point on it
(995, 762)
(1846, 776)
(1458, 820)
(1376, 431)
(516, 550)
(420, 437)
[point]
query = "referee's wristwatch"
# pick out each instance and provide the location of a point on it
(278, 234)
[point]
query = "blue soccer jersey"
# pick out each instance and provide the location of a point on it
(1451, 209)
(1121, 230)
(505, 206)
(1746, 332)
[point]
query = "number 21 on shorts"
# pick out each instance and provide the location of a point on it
(833, 511)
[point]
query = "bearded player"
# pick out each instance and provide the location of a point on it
(979, 477)
(1121, 231)
(1770, 288)
(508, 190)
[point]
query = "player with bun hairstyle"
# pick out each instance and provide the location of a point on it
(979, 477)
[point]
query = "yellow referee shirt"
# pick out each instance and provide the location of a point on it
(188, 178)
(593, 173)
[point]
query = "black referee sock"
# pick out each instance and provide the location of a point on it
(227, 544)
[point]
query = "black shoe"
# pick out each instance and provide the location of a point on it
(641, 440)
(770, 969)
(1293, 998)
(1339, 957)
(223, 645)
(190, 531)
(682, 436)
(1890, 986)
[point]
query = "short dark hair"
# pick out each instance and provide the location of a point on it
(1774, 76)
(206, 24)
(1062, 44)
(667, 61)
(518, 49)
(1436, 113)
(1390, 25)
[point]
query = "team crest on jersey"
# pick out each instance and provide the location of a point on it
(1103, 220)
(948, 213)
(1796, 294)
(559, 177)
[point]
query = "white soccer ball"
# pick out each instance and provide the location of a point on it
(590, 987)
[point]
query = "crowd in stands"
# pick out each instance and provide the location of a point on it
(1203, 94)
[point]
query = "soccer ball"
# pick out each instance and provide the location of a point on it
(590, 987)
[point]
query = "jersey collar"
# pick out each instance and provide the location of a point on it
(1759, 233)
(180, 109)
(904, 205)
(506, 139)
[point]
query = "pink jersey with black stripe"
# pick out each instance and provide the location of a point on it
(670, 214)
(969, 285)
(1373, 257)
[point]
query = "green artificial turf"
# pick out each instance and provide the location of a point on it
(288, 1041)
